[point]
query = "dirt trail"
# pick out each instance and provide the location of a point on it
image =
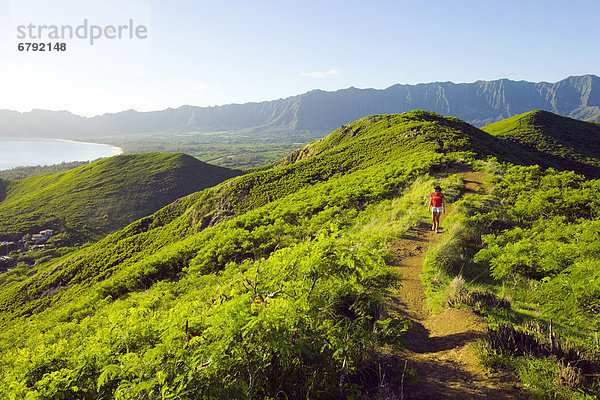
(439, 346)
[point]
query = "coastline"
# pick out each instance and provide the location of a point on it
(59, 140)
(26, 158)
(120, 149)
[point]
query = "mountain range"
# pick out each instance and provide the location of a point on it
(479, 103)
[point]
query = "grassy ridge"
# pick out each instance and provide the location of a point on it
(556, 141)
(173, 223)
(98, 198)
(314, 279)
(271, 284)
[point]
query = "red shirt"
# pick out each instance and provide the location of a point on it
(436, 199)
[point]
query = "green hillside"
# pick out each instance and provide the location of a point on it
(101, 197)
(273, 284)
(566, 143)
(391, 150)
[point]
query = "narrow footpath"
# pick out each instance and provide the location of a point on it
(439, 347)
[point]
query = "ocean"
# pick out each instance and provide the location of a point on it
(29, 152)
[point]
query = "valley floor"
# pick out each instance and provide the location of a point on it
(440, 346)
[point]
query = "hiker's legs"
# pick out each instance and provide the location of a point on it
(433, 226)
(436, 220)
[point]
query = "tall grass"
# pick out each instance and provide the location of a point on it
(392, 218)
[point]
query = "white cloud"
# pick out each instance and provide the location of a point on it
(320, 75)
(202, 86)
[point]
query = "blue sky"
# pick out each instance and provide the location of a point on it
(218, 52)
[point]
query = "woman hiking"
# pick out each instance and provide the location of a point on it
(436, 206)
